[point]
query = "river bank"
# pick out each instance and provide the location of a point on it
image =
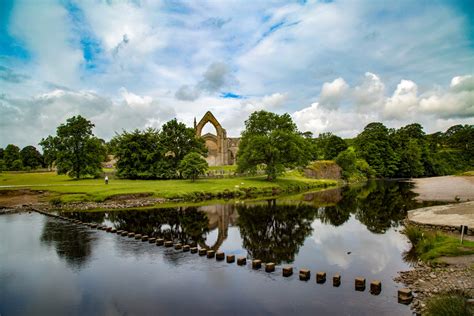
(446, 188)
(34, 188)
(428, 279)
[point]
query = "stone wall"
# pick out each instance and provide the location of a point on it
(323, 169)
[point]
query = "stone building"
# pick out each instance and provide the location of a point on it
(222, 150)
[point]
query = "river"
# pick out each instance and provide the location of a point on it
(52, 267)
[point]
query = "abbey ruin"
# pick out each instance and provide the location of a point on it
(222, 150)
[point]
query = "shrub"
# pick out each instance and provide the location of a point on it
(451, 303)
(56, 202)
(414, 234)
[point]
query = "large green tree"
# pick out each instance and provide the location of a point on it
(11, 155)
(139, 155)
(329, 146)
(178, 140)
(31, 157)
(374, 145)
(192, 166)
(273, 141)
(412, 148)
(78, 153)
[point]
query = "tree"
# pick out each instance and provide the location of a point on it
(140, 155)
(271, 140)
(192, 166)
(11, 154)
(177, 141)
(374, 145)
(78, 152)
(31, 158)
(329, 146)
(50, 146)
(412, 148)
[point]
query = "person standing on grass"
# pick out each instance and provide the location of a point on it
(106, 179)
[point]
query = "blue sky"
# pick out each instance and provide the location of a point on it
(333, 65)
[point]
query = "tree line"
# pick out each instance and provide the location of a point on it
(407, 152)
(269, 141)
(169, 153)
(14, 159)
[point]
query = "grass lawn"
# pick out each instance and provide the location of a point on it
(96, 190)
(430, 245)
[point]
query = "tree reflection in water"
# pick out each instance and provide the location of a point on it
(186, 225)
(71, 243)
(274, 233)
(271, 232)
(378, 205)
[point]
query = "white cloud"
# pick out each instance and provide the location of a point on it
(45, 32)
(165, 53)
(217, 76)
(434, 108)
(332, 93)
(403, 102)
(370, 93)
(38, 117)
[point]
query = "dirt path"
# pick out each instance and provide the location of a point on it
(447, 188)
(17, 198)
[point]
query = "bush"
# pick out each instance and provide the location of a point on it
(56, 202)
(452, 303)
(17, 165)
(414, 234)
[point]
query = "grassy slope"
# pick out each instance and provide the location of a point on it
(431, 245)
(95, 189)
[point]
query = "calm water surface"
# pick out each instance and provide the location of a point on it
(51, 267)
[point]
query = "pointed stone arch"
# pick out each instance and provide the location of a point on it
(221, 157)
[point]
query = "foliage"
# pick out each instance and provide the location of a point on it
(78, 153)
(453, 303)
(139, 154)
(151, 154)
(16, 165)
(271, 140)
(429, 245)
(328, 146)
(31, 158)
(192, 166)
(50, 147)
(11, 154)
(178, 140)
(3, 166)
(408, 152)
(353, 169)
(373, 145)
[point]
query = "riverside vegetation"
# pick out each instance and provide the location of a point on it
(441, 290)
(429, 246)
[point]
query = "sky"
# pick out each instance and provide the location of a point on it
(334, 66)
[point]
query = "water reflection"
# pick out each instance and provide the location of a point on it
(272, 230)
(275, 233)
(71, 243)
(185, 225)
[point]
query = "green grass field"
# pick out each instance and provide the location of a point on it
(95, 189)
(430, 245)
